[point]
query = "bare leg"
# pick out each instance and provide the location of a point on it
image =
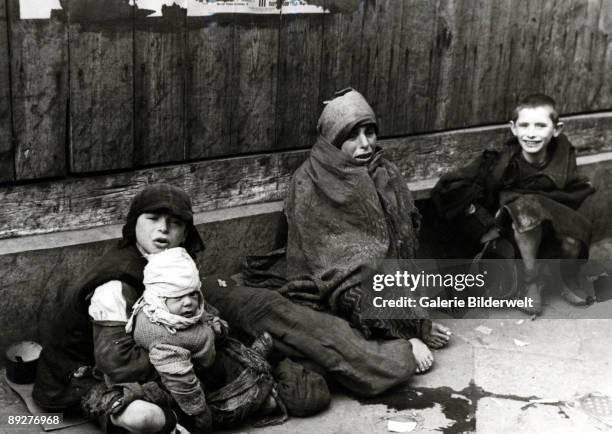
(528, 243)
(422, 355)
(570, 249)
(140, 417)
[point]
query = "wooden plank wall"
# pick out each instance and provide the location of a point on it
(6, 142)
(108, 89)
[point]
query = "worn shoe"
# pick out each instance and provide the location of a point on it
(102, 400)
(263, 344)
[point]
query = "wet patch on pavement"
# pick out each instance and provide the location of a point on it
(458, 406)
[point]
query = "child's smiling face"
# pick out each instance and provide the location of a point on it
(534, 129)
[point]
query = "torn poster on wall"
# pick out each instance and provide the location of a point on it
(41, 9)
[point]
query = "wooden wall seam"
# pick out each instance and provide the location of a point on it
(7, 156)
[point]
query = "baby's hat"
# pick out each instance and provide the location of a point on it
(171, 273)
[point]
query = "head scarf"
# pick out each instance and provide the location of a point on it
(347, 110)
(166, 198)
(168, 274)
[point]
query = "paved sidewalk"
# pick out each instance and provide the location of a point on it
(481, 382)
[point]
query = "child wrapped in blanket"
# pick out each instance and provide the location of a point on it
(174, 323)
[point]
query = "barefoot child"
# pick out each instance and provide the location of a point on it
(527, 193)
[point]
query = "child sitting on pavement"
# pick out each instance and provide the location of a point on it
(172, 321)
(528, 193)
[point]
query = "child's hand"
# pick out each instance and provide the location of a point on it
(219, 326)
(491, 234)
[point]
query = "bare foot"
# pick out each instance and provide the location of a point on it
(439, 336)
(422, 355)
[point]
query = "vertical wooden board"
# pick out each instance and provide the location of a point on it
(6, 142)
(448, 50)
(541, 61)
(499, 57)
(442, 66)
(412, 85)
(159, 87)
(570, 20)
(298, 99)
(256, 63)
(600, 94)
(101, 90)
(524, 28)
(530, 51)
(380, 56)
(462, 73)
(580, 54)
(583, 98)
(39, 55)
(577, 50)
(544, 49)
(605, 28)
(513, 61)
(485, 57)
(560, 36)
(210, 88)
(587, 76)
(341, 51)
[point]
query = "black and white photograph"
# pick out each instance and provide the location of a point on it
(305, 216)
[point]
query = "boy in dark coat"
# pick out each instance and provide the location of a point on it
(528, 193)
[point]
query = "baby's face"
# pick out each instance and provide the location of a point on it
(534, 129)
(186, 306)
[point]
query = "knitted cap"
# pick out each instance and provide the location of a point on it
(166, 198)
(348, 109)
(171, 273)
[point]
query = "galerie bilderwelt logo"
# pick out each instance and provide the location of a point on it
(475, 289)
